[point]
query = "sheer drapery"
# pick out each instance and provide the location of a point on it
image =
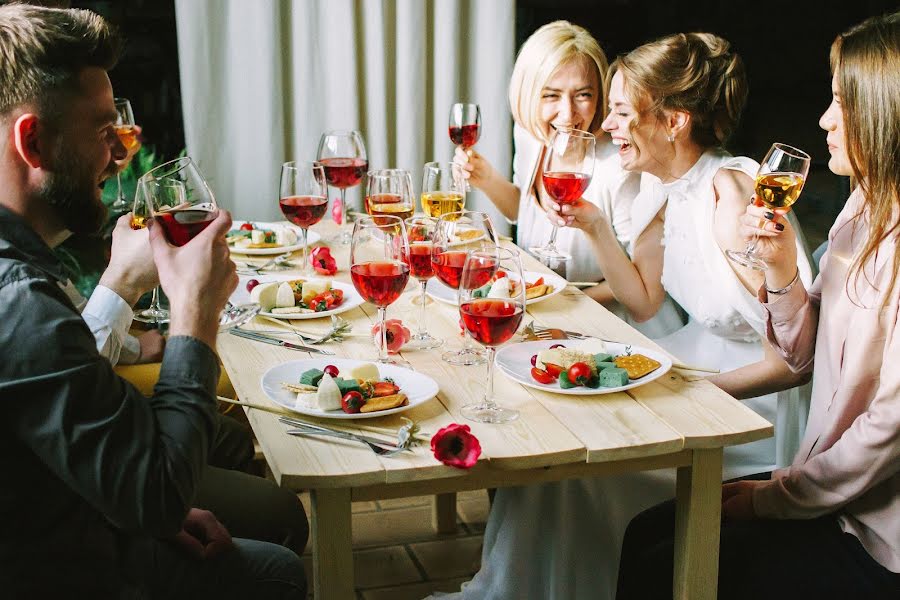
(262, 79)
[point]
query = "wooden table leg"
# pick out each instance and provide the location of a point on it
(332, 547)
(443, 513)
(697, 524)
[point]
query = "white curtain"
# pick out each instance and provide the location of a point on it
(262, 79)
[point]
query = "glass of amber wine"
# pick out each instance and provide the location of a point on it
(443, 189)
(566, 173)
(491, 321)
(779, 181)
(124, 128)
(343, 155)
(420, 231)
(389, 193)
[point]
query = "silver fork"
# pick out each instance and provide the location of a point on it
(377, 446)
(272, 261)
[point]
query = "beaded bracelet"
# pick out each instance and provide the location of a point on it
(787, 288)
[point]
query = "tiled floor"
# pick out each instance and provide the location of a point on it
(398, 556)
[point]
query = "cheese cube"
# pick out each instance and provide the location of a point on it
(365, 371)
(314, 287)
(257, 236)
(284, 296)
(614, 377)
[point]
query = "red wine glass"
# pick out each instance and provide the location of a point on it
(379, 266)
(303, 199)
(181, 202)
(343, 154)
(491, 321)
(420, 231)
(567, 169)
(465, 126)
(456, 234)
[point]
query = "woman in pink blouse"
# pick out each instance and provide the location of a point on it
(828, 526)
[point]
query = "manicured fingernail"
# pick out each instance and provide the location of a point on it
(779, 226)
(769, 215)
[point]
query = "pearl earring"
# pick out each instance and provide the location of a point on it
(670, 137)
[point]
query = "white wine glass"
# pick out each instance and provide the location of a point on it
(443, 189)
(124, 128)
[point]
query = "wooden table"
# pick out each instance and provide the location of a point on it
(676, 421)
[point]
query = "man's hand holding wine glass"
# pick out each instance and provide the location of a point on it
(197, 277)
(131, 272)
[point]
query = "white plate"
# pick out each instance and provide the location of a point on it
(313, 237)
(514, 361)
(418, 388)
(437, 290)
(352, 299)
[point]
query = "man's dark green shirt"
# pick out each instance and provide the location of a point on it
(87, 462)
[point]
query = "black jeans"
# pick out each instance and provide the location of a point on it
(759, 559)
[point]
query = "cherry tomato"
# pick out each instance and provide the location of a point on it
(540, 281)
(557, 346)
(352, 402)
(534, 360)
(579, 373)
(541, 376)
(332, 370)
(252, 284)
(247, 226)
(554, 370)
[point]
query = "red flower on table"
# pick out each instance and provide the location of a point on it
(397, 335)
(322, 261)
(455, 445)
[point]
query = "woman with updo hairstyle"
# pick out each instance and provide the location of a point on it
(672, 104)
(828, 526)
(557, 83)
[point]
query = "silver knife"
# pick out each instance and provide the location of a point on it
(326, 431)
(258, 337)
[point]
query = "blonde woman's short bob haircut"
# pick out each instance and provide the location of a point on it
(548, 48)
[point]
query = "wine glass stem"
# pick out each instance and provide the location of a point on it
(154, 303)
(489, 388)
(423, 326)
(304, 263)
(382, 346)
(751, 245)
(343, 207)
(551, 245)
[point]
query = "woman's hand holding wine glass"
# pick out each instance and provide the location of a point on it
(776, 247)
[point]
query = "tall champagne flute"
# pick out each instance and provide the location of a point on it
(567, 169)
(181, 202)
(465, 127)
(456, 234)
(389, 193)
(124, 128)
(443, 189)
(343, 154)
(420, 231)
(140, 212)
(491, 321)
(379, 266)
(303, 198)
(779, 181)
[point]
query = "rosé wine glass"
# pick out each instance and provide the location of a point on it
(389, 193)
(465, 127)
(303, 199)
(124, 128)
(491, 321)
(420, 231)
(343, 154)
(456, 234)
(567, 170)
(379, 266)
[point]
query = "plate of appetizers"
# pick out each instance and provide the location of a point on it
(344, 388)
(581, 367)
(293, 297)
(258, 238)
(538, 287)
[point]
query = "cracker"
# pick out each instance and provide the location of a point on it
(469, 234)
(637, 365)
(384, 403)
(262, 245)
(537, 291)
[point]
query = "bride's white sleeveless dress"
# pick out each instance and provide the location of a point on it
(561, 541)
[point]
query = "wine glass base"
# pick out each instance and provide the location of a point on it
(550, 254)
(424, 342)
(154, 316)
(389, 360)
(488, 413)
(235, 316)
(464, 358)
(747, 259)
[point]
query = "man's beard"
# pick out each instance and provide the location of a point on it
(71, 192)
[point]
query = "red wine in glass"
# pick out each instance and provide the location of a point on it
(420, 265)
(304, 211)
(465, 136)
(566, 188)
(491, 321)
(181, 225)
(380, 283)
(448, 267)
(344, 173)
